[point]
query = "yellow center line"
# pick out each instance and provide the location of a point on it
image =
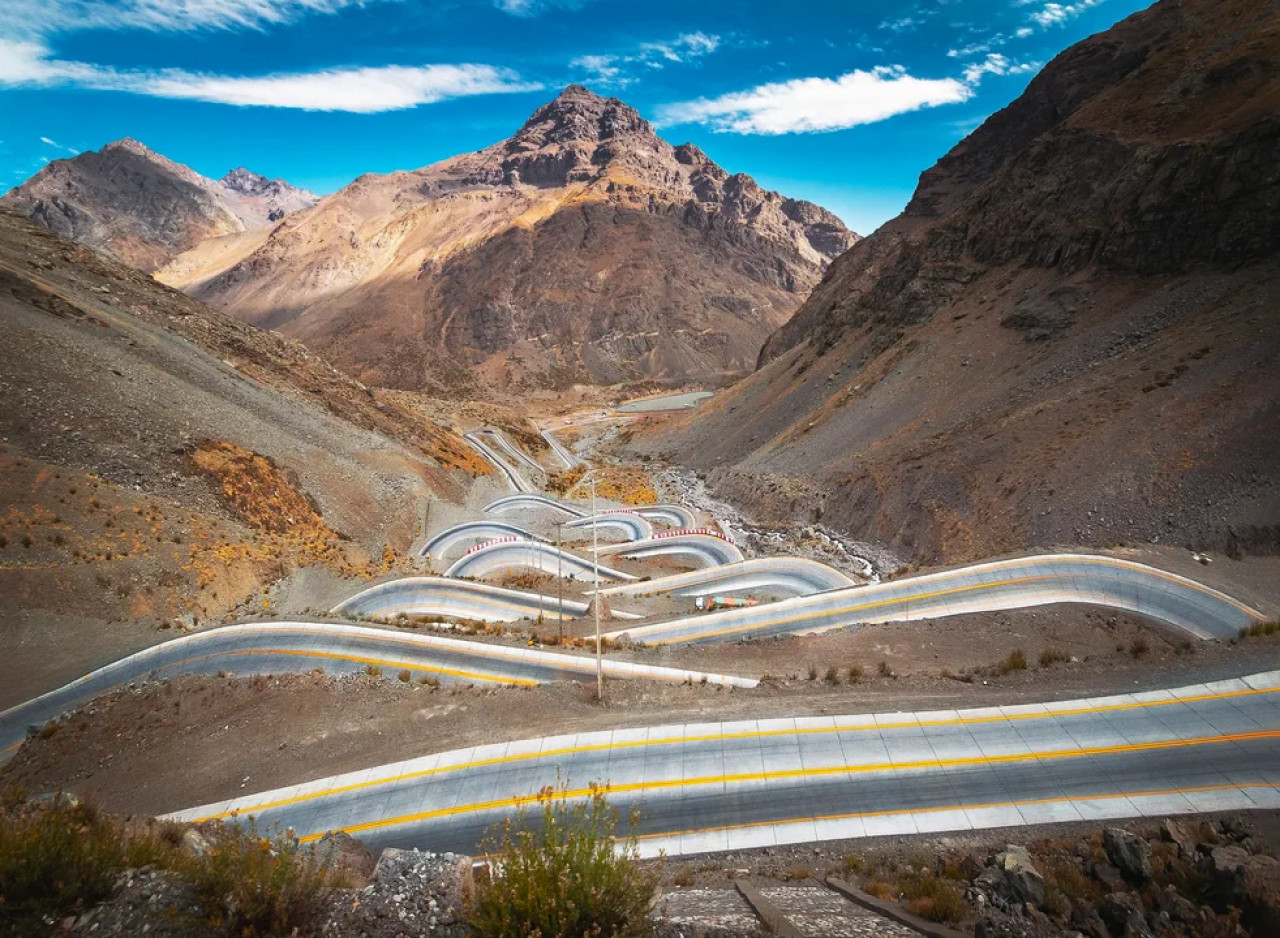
(917, 597)
(748, 734)
(980, 806)
(808, 773)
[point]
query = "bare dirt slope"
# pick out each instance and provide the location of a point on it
(1070, 335)
(161, 460)
(583, 248)
(144, 208)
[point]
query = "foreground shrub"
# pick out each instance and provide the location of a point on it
(254, 885)
(60, 858)
(565, 875)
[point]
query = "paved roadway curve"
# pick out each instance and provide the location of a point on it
(280, 647)
(777, 576)
(470, 532)
(455, 599)
(516, 480)
(723, 786)
(632, 526)
(531, 500)
(1006, 584)
(530, 555)
(711, 551)
(675, 516)
(511, 450)
(567, 458)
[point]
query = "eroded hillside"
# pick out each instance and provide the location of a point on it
(1069, 336)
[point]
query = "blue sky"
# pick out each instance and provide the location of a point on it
(843, 103)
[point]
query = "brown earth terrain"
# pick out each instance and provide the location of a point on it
(583, 249)
(1069, 336)
(136, 750)
(161, 461)
(143, 208)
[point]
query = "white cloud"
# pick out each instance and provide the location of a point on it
(1024, 32)
(806, 105)
(902, 25)
(612, 68)
(528, 8)
(57, 146)
(358, 90)
(1055, 14)
(35, 18)
(997, 64)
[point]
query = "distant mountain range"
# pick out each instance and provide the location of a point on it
(1070, 336)
(583, 249)
(145, 209)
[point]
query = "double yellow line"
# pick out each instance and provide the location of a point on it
(814, 773)
(746, 734)
(919, 597)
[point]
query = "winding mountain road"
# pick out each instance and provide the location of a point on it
(1176, 601)
(722, 786)
(530, 555)
(283, 647)
(514, 478)
(778, 576)
(707, 550)
(455, 599)
(632, 526)
(470, 532)
(527, 500)
(562, 453)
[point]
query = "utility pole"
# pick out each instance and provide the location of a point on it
(559, 580)
(595, 565)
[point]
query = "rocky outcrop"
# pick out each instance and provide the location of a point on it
(583, 248)
(144, 208)
(1068, 335)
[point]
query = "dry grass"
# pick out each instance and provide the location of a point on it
(629, 485)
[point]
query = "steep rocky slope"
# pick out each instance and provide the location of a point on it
(144, 208)
(583, 248)
(159, 459)
(1070, 334)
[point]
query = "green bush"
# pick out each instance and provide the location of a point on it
(59, 858)
(564, 876)
(253, 885)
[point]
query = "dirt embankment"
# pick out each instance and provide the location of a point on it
(161, 462)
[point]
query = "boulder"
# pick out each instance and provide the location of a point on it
(1010, 879)
(1249, 882)
(1123, 914)
(1173, 832)
(346, 856)
(1129, 853)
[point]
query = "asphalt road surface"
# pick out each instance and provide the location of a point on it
(720, 786)
(1175, 601)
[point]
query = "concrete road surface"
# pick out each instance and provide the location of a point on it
(776, 576)
(455, 599)
(631, 526)
(470, 532)
(283, 647)
(722, 786)
(530, 555)
(704, 549)
(1173, 600)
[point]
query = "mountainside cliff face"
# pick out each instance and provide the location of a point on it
(1069, 335)
(143, 208)
(583, 248)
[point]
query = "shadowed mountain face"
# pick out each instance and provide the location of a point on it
(1070, 334)
(143, 208)
(584, 248)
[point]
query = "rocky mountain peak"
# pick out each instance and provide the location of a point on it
(129, 145)
(245, 181)
(579, 115)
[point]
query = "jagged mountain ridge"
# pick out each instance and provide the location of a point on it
(143, 208)
(584, 247)
(1070, 334)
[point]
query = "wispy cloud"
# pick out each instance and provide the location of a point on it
(31, 18)
(57, 146)
(358, 90)
(997, 64)
(1055, 14)
(808, 105)
(615, 69)
(529, 8)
